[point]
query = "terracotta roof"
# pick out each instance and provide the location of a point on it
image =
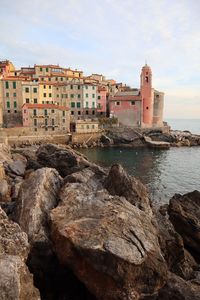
(52, 106)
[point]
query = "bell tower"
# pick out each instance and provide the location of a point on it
(147, 95)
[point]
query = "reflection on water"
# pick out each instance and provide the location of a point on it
(164, 172)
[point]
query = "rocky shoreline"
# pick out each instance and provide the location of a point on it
(70, 229)
(135, 138)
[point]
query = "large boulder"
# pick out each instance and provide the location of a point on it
(110, 245)
(63, 159)
(178, 289)
(16, 167)
(184, 213)
(118, 182)
(178, 259)
(38, 194)
(16, 282)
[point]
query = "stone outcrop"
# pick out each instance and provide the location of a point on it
(178, 289)
(118, 182)
(178, 259)
(16, 282)
(184, 213)
(37, 196)
(63, 159)
(110, 244)
(5, 154)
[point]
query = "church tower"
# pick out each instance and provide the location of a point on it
(147, 95)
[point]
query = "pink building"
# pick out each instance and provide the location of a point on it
(46, 117)
(101, 101)
(139, 107)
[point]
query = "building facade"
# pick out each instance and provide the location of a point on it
(139, 107)
(46, 117)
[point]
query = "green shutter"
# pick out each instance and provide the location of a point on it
(14, 85)
(15, 104)
(8, 104)
(7, 85)
(78, 104)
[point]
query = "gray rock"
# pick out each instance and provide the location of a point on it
(16, 167)
(184, 213)
(16, 282)
(37, 196)
(118, 182)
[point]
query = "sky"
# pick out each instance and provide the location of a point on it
(114, 38)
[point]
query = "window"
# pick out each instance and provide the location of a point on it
(78, 104)
(88, 127)
(8, 111)
(86, 87)
(34, 90)
(132, 102)
(45, 95)
(35, 112)
(72, 113)
(14, 95)
(61, 78)
(93, 87)
(27, 100)
(53, 128)
(35, 100)
(35, 122)
(93, 112)
(53, 122)
(72, 95)
(14, 85)
(63, 120)
(86, 95)
(7, 94)
(49, 94)
(46, 129)
(93, 95)
(8, 104)
(24, 110)
(93, 104)
(92, 126)
(15, 104)
(72, 104)
(63, 113)
(47, 70)
(52, 111)
(57, 95)
(50, 87)
(40, 69)
(99, 97)
(46, 122)
(7, 85)
(78, 87)
(27, 90)
(86, 112)
(118, 103)
(147, 107)
(86, 104)
(44, 86)
(79, 96)
(45, 112)
(35, 129)
(79, 112)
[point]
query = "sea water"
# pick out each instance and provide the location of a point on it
(164, 172)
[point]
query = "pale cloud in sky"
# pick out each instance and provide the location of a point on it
(112, 37)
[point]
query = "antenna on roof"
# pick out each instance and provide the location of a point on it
(145, 61)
